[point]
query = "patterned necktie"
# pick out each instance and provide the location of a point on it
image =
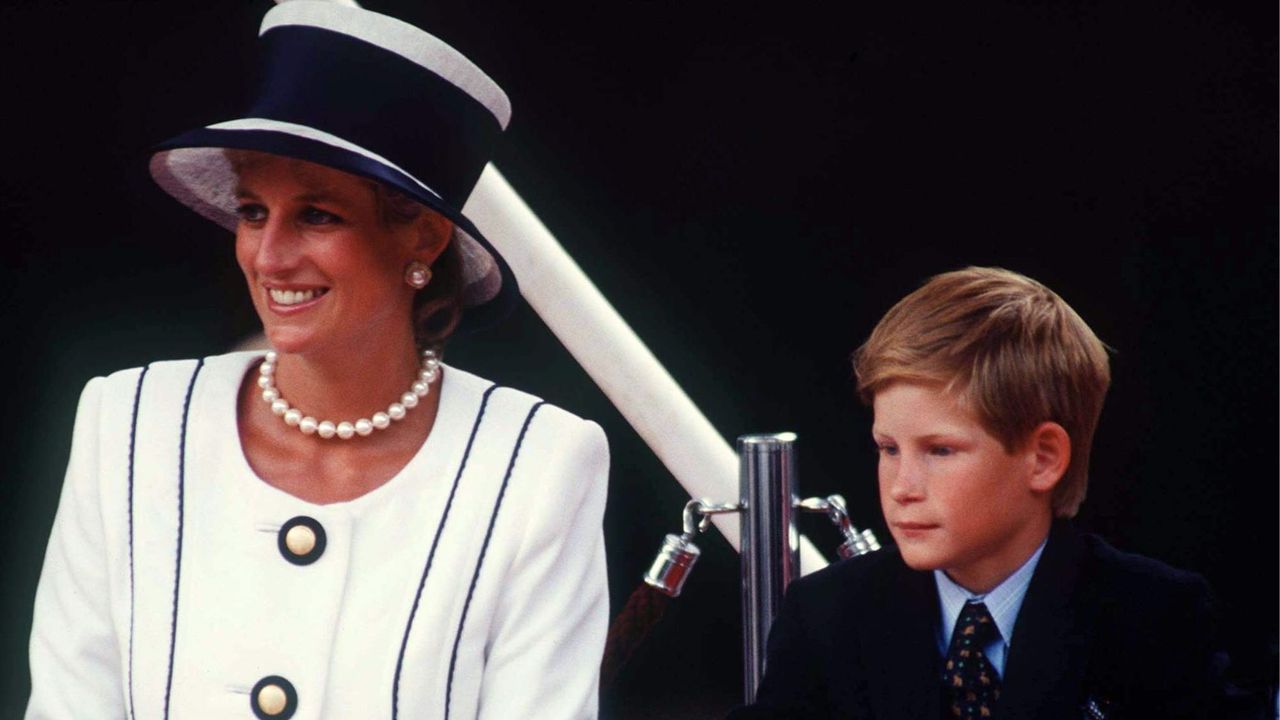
(970, 684)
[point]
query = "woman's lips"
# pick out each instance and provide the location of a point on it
(288, 301)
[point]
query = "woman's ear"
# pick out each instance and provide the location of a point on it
(1050, 450)
(434, 231)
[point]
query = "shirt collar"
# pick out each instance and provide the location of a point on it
(1003, 602)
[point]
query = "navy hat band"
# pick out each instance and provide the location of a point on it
(379, 100)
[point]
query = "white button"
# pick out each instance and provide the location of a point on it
(272, 699)
(300, 540)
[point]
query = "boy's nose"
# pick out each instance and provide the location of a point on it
(905, 481)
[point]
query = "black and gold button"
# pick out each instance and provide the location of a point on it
(273, 698)
(301, 540)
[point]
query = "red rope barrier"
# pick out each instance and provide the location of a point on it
(642, 612)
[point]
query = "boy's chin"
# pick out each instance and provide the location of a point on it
(920, 559)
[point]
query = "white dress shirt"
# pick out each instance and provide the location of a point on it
(1003, 602)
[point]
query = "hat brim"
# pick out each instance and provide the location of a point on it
(193, 168)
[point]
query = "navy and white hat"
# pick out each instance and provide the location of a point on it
(372, 96)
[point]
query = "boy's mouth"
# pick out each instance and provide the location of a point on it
(913, 529)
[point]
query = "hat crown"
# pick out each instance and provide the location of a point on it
(394, 35)
(397, 92)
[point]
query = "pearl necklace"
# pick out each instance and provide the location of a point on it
(346, 430)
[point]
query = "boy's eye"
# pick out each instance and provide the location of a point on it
(251, 212)
(316, 216)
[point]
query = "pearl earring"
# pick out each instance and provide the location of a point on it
(417, 275)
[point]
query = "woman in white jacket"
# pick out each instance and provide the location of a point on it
(343, 527)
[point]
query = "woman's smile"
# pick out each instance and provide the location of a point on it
(288, 301)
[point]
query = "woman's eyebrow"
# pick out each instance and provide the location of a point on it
(315, 196)
(319, 196)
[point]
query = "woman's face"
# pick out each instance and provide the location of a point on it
(324, 268)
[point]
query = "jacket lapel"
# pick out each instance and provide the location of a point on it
(904, 649)
(1046, 661)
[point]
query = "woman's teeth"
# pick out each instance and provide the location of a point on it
(294, 297)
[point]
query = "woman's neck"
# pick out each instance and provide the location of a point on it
(349, 385)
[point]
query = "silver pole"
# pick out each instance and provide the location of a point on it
(770, 548)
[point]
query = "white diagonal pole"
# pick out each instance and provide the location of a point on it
(611, 353)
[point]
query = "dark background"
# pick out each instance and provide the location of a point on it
(752, 186)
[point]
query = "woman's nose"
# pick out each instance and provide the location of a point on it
(277, 250)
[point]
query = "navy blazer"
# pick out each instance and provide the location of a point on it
(1122, 633)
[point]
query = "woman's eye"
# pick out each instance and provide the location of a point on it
(941, 450)
(890, 450)
(250, 212)
(316, 216)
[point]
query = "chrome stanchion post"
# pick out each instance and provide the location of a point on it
(770, 548)
(770, 554)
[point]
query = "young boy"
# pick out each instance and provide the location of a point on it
(986, 389)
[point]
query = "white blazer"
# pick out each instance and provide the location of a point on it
(470, 585)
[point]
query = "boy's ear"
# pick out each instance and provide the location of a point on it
(1050, 449)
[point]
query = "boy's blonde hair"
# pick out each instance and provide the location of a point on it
(1013, 350)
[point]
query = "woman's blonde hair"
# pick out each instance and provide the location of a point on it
(437, 308)
(1010, 347)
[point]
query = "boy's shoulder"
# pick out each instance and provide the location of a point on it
(879, 566)
(1136, 573)
(1134, 596)
(855, 586)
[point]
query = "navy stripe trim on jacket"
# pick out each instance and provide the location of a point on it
(493, 519)
(133, 436)
(177, 568)
(395, 688)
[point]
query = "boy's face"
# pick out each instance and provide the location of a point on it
(953, 497)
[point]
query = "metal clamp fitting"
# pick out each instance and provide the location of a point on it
(856, 542)
(678, 554)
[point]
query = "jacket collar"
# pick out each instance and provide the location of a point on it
(1044, 663)
(906, 645)
(1047, 659)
